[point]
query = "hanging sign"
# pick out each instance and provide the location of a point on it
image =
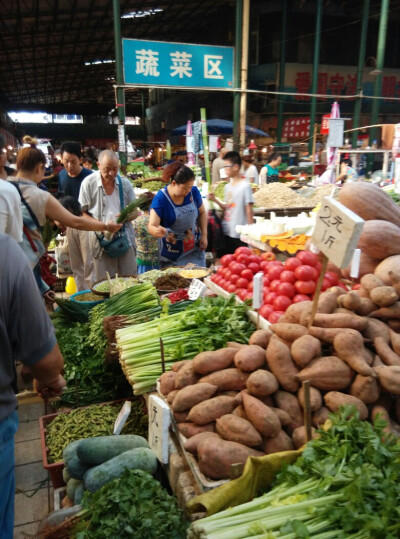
(121, 138)
(159, 422)
(213, 143)
(336, 131)
(325, 124)
(337, 231)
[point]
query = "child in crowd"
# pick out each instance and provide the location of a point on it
(146, 244)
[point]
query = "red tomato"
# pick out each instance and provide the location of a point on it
(288, 276)
(255, 268)
(249, 295)
(266, 310)
(281, 303)
(267, 256)
(216, 279)
(269, 298)
(326, 283)
(273, 285)
(222, 283)
(333, 277)
(231, 288)
(286, 289)
(254, 258)
(305, 287)
(220, 270)
(265, 292)
(236, 267)
(227, 274)
(305, 273)
(242, 259)
(292, 263)
(274, 317)
(243, 251)
(227, 259)
(356, 286)
(264, 265)
(241, 293)
(247, 274)
(276, 263)
(242, 283)
(308, 258)
(233, 278)
(300, 297)
(250, 287)
(266, 281)
(318, 266)
(213, 277)
(274, 272)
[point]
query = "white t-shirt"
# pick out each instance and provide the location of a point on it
(251, 174)
(238, 196)
(10, 211)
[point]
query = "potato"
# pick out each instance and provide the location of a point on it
(384, 296)
(191, 443)
(250, 358)
(294, 311)
(365, 388)
(304, 349)
(191, 395)
(261, 337)
(349, 346)
(389, 378)
(289, 403)
(299, 436)
(281, 364)
(186, 376)
(227, 379)
(191, 429)
(280, 442)
(207, 362)
(262, 383)
(215, 456)
(261, 416)
(371, 281)
(327, 373)
(208, 411)
(315, 398)
(320, 416)
(288, 332)
(236, 429)
(179, 364)
(167, 382)
(335, 399)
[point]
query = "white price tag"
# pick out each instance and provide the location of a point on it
(159, 422)
(355, 264)
(197, 289)
(122, 417)
(258, 282)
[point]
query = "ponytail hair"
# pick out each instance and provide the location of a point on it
(177, 172)
(28, 158)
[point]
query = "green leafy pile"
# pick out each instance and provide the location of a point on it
(135, 505)
(346, 484)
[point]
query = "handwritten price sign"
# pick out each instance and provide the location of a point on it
(337, 231)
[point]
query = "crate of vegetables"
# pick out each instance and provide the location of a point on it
(60, 429)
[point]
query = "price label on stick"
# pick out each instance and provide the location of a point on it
(197, 289)
(258, 290)
(122, 417)
(159, 422)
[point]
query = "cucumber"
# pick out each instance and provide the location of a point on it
(70, 451)
(79, 492)
(76, 468)
(72, 485)
(141, 458)
(102, 448)
(65, 475)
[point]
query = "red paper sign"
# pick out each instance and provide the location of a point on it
(325, 124)
(295, 128)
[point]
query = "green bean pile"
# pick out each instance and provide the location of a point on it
(95, 420)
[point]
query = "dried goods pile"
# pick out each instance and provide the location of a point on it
(171, 282)
(321, 192)
(277, 195)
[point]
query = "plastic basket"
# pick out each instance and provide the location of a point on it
(92, 303)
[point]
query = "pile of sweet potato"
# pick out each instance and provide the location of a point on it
(248, 399)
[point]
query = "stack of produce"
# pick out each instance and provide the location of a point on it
(277, 195)
(345, 484)
(251, 395)
(207, 323)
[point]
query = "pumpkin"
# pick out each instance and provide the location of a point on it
(379, 239)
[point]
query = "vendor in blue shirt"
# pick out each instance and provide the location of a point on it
(270, 173)
(71, 177)
(178, 219)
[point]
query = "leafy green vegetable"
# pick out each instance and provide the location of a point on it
(135, 505)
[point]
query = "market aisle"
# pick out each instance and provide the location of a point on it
(34, 494)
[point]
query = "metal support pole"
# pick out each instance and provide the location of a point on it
(282, 72)
(380, 58)
(120, 80)
(244, 71)
(238, 62)
(314, 80)
(360, 71)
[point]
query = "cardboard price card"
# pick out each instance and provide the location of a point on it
(159, 422)
(337, 231)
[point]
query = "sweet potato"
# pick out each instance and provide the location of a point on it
(369, 356)
(382, 413)
(389, 378)
(362, 292)
(294, 311)
(324, 334)
(227, 393)
(371, 281)
(179, 364)
(208, 411)
(261, 416)
(378, 362)
(280, 442)
(320, 416)
(393, 311)
(299, 436)
(384, 296)
(239, 411)
(305, 349)
(281, 364)
(233, 344)
(288, 332)
(186, 376)
(189, 396)
(335, 399)
(327, 373)
(315, 398)
(262, 383)
(283, 416)
(250, 359)
(365, 388)
(394, 325)
(261, 337)
(394, 277)
(395, 341)
(385, 352)
(375, 329)
(167, 382)
(327, 302)
(191, 443)
(172, 395)
(216, 456)
(181, 417)
(191, 429)
(288, 403)
(349, 346)
(227, 379)
(351, 321)
(365, 307)
(337, 290)
(207, 362)
(350, 301)
(236, 429)
(342, 310)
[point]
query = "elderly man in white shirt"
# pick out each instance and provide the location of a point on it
(99, 196)
(10, 211)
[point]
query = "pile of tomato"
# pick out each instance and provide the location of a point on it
(284, 283)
